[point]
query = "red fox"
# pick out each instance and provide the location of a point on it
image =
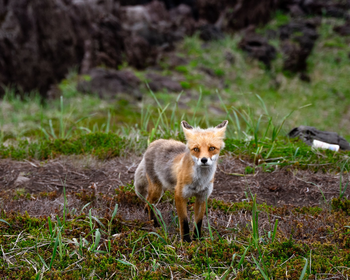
(188, 169)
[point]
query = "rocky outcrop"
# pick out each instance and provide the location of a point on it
(328, 8)
(257, 47)
(158, 82)
(344, 29)
(108, 83)
(298, 39)
(151, 29)
(41, 40)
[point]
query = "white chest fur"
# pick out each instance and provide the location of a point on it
(201, 186)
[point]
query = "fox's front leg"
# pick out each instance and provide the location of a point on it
(181, 207)
(199, 210)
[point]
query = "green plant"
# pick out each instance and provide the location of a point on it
(64, 131)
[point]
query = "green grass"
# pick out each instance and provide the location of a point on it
(323, 103)
(101, 145)
(72, 246)
(266, 154)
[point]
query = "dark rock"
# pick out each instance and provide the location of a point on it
(243, 13)
(329, 8)
(210, 10)
(139, 53)
(210, 32)
(296, 11)
(294, 57)
(271, 34)
(336, 12)
(169, 4)
(157, 83)
(108, 83)
(235, 15)
(298, 40)
(307, 27)
(257, 47)
(182, 18)
(41, 40)
(152, 30)
(344, 29)
(304, 77)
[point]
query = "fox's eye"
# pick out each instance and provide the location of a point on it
(196, 150)
(211, 149)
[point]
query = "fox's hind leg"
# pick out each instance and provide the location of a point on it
(199, 210)
(140, 181)
(155, 192)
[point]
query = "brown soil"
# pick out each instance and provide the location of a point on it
(90, 181)
(286, 186)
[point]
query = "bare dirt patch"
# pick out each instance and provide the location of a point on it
(286, 186)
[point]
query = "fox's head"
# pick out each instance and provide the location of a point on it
(205, 144)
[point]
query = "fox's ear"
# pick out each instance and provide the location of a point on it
(220, 129)
(187, 128)
(185, 125)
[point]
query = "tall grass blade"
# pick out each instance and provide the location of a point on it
(263, 104)
(114, 212)
(50, 226)
(86, 205)
(242, 257)
(64, 205)
(98, 221)
(172, 118)
(254, 222)
(304, 269)
(341, 189)
(196, 108)
(43, 261)
(256, 131)
(97, 239)
(61, 132)
(52, 130)
(69, 132)
(1, 220)
(108, 122)
(161, 238)
(54, 251)
(260, 269)
(274, 231)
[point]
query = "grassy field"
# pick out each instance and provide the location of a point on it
(88, 237)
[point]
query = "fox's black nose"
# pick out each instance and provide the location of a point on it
(204, 160)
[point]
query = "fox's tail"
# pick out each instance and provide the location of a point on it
(140, 181)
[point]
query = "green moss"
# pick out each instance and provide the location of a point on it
(341, 204)
(101, 145)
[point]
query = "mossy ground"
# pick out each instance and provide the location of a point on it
(68, 245)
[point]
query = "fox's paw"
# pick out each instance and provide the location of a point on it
(155, 223)
(187, 238)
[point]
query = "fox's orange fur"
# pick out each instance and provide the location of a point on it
(188, 169)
